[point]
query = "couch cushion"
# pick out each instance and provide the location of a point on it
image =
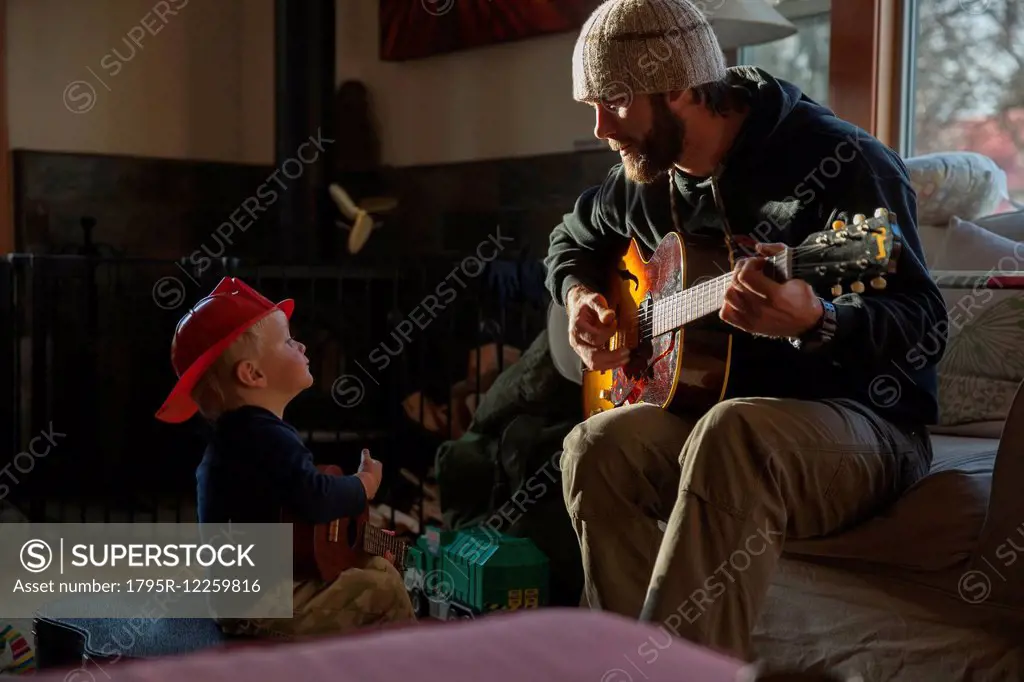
(983, 362)
(917, 532)
(933, 243)
(1009, 224)
(962, 454)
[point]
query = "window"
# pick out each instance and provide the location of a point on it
(801, 59)
(966, 82)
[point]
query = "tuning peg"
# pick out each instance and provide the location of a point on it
(857, 287)
(859, 218)
(837, 290)
(838, 225)
(881, 213)
(878, 283)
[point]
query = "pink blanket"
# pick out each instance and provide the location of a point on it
(550, 645)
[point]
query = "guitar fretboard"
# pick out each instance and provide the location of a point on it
(688, 305)
(378, 542)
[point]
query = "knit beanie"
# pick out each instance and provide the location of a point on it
(634, 47)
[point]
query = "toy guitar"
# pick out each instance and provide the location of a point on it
(322, 551)
(660, 305)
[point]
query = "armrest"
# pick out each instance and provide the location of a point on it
(995, 557)
(564, 357)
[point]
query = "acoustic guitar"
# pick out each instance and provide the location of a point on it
(662, 305)
(322, 551)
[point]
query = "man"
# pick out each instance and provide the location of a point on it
(809, 440)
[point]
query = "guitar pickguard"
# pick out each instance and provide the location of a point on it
(629, 381)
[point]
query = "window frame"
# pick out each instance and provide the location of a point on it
(868, 91)
(868, 96)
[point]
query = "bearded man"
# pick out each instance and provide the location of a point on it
(797, 449)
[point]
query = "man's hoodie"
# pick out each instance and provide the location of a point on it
(793, 168)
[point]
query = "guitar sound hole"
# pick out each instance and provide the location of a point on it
(642, 350)
(636, 368)
(352, 534)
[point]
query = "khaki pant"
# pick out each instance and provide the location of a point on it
(731, 486)
(360, 597)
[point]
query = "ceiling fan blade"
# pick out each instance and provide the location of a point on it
(360, 232)
(378, 204)
(344, 201)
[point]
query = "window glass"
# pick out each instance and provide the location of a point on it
(967, 82)
(802, 58)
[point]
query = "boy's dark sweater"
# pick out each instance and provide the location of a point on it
(793, 165)
(257, 464)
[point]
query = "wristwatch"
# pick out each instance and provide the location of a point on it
(821, 333)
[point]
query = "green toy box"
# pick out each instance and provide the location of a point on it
(471, 572)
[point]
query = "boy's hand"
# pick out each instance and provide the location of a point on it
(370, 473)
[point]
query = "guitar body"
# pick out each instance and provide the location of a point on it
(323, 551)
(667, 308)
(684, 367)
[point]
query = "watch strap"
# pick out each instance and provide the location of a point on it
(823, 332)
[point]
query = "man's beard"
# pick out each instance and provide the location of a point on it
(660, 148)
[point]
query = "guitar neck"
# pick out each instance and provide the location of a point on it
(681, 308)
(378, 542)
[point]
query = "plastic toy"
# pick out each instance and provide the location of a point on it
(472, 572)
(16, 656)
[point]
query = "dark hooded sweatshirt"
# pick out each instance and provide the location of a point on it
(793, 167)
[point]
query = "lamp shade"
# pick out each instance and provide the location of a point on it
(742, 23)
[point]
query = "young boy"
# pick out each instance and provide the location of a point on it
(238, 365)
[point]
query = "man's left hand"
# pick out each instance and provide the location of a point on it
(758, 304)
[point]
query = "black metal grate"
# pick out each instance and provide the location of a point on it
(85, 353)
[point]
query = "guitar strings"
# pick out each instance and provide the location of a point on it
(691, 299)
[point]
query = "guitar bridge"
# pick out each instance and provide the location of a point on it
(636, 386)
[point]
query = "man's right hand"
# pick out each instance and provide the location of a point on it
(370, 473)
(591, 325)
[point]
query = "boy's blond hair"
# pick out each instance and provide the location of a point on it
(213, 391)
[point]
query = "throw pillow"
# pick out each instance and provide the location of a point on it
(983, 363)
(948, 184)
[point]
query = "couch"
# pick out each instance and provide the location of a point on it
(931, 588)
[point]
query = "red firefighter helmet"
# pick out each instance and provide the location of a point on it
(205, 332)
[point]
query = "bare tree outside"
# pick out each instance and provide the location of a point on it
(969, 82)
(968, 76)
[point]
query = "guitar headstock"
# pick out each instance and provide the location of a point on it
(866, 249)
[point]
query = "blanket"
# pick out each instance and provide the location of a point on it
(16, 654)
